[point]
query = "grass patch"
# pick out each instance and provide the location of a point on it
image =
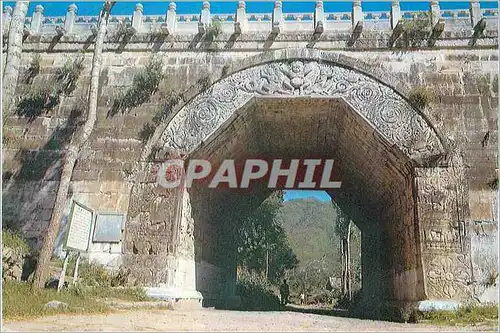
(20, 302)
(467, 315)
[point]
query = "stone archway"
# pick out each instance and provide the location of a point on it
(387, 111)
(435, 199)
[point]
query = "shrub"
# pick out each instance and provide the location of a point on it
(42, 98)
(14, 241)
(33, 69)
(147, 132)
(493, 184)
(416, 30)
(144, 85)
(214, 29)
(420, 97)
(492, 277)
(67, 76)
(256, 292)
(204, 82)
(46, 95)
(170, 100)
(96, 275)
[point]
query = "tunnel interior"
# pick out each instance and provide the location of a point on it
(377, 191)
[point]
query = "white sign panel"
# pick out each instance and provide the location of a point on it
(80, 223)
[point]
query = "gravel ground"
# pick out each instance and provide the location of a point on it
(212, 320)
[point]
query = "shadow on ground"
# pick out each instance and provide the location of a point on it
(318, 311)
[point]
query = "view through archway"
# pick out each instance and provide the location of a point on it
(376, 191)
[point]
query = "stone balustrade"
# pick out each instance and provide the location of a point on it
(317, 21)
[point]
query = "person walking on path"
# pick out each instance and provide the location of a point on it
(284, 292)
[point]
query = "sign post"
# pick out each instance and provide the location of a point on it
(63, 272)
(80, 225)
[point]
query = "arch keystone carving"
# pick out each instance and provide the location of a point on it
(387, 111)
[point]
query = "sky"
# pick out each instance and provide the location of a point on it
(302, 194)
(59, 8)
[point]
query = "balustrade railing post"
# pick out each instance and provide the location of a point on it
(435, 12)
(240, 24)
(171, 20)
(357, 17)
(205, 18)
(395, 14)
(37, 19)
(277, 23)
(70, 19)
(437, 22)
(137, 17)
(475, 12)
(319, 17)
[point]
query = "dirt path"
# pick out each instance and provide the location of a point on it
(210, 320)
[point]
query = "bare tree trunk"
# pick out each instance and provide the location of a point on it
(72, 154)
(348, 261)
(345, 248)
(14, 50)
(343, 263)
(267, 264)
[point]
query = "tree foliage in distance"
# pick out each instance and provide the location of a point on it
(262, 243)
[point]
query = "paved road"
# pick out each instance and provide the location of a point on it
(210, 320)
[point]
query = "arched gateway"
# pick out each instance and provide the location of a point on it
(400, 184)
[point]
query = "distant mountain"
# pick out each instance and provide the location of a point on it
(309, 225)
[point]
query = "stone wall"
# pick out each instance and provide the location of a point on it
(464, 111)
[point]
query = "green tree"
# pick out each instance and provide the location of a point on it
(262, 243)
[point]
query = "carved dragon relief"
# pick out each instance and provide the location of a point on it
(387, 111)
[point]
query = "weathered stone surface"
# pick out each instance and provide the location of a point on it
(253, 97)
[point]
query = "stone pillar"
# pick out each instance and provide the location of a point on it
(395, 14)
(357, 13)
(205, 18)
(37, 19)
(475, 12)
(241, 18)
(171, 21)
(6, 17)
(277, 19)
(443, 215)
(435, 12)
(374, 282)
(159, 240)
(137, 17)
(69, 21)
(319, 17)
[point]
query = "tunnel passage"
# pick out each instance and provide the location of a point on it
(377, 190)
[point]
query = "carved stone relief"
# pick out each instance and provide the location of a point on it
(442, 211)
(387, 111)
(449, 277)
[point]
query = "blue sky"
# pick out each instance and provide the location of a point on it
(301, 194)
(59, 8)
